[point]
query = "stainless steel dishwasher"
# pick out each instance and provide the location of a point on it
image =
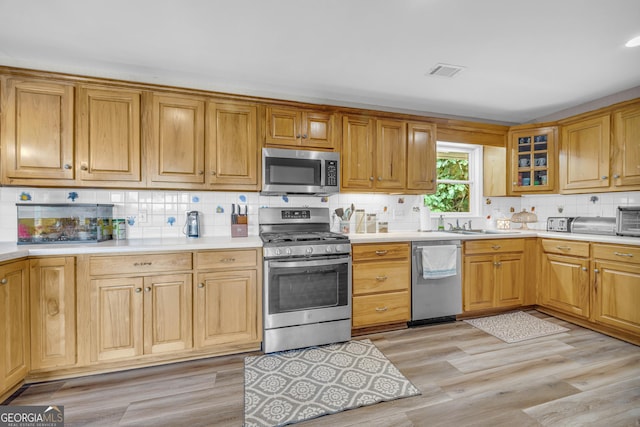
(435, 300)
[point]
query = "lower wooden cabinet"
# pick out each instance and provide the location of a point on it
(493, 274)
(227, 298)
(52, 287)
(564, 281)
(381, 284)
(132, 316)
(14, 324)
(617, 287)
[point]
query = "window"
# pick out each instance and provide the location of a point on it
(459, 171)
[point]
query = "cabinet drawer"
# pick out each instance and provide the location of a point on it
(380, 309)
(138, 264)
(377, 252)
(617, 253)
(227, 259)
(381, 277)
(493, 246)
(566, 247)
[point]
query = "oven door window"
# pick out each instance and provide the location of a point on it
(305, 288)
(283, 171)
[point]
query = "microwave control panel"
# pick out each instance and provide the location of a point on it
(331, 173)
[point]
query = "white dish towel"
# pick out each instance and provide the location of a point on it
(439, 261)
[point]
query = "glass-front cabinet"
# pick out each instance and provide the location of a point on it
(533, 159)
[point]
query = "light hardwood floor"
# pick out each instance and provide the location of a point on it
(467, 378)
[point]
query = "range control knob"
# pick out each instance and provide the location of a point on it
(329, 249)
(309, 250)
(278, 251)
(288, 251)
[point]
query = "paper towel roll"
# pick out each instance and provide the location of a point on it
(425, 218)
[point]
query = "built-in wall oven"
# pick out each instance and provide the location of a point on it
(307, 279)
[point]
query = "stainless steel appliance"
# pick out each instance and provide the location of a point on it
(583, 225)
(307, 279)
(435, 300)
(192, 224)
(560, 224)
(300, 172)
(628, 221)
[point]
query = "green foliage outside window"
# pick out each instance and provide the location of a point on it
(451, 196)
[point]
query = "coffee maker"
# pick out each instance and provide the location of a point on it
(192, 224)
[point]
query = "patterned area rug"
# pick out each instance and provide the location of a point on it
(292, 386)
(516, 326)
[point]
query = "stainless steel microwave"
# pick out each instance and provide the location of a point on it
(300, 172)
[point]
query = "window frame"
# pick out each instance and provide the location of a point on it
(475, 180)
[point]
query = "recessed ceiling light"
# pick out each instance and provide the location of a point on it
(633, 42)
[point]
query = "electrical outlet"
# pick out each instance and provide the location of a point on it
(142, 216)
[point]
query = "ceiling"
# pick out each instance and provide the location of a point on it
(523, 59)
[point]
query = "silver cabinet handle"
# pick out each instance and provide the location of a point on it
(213, 173)
(84, 167)
(616, 176)
(623, 254)
(147, 289)
(297, 136)
(595, 270)
(201, 285)
(304, 136)
(563, 248)
(496, 247)
(604, 177)
(381, 278)
(67, 166)
(228, 260)
(379, 178)
(3, 281)
(200, 172)
(497, 264)
(138, 290)
(380, 253)
(584, 268)
(370, 178)
(381, 309)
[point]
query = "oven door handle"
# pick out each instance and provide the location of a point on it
(309, 263)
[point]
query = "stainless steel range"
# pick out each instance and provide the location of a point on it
(307, 279)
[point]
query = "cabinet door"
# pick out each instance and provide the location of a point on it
(318, 130)
(116, 318)
(167, 313)
(390, 155)
(509, 279)
(283, 126)
(233, 145)
(108, 137)
(617, 292)
(478, 282)
(421, 157)
(533, 160)
(14, 324)
(226, 308)
(565, 284)
(53, 312)
(626, 149)
(37, 130)
(584, 154)
(357, 153)
(494, 169)
(177, 142)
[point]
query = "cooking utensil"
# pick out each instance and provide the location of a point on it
(340, 212)
(347, 214)
(353, 209)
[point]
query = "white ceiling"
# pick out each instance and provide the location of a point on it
(524, 59)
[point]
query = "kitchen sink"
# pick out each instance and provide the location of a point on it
(481, 231)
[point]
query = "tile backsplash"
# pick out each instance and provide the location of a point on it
(152, 214)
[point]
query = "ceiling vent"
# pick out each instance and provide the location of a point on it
(445, 70)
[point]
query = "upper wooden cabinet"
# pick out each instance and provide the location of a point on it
(108, 135)
(584, 154)
(626, 147)
(232, 138)
(421, 157)
(177, 140)
(387, 155)
(37, 132)
(533, 160)
(205, 145)
(300, 128)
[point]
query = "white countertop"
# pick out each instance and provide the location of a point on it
(9, 251)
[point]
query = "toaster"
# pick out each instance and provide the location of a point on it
(628, 221)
